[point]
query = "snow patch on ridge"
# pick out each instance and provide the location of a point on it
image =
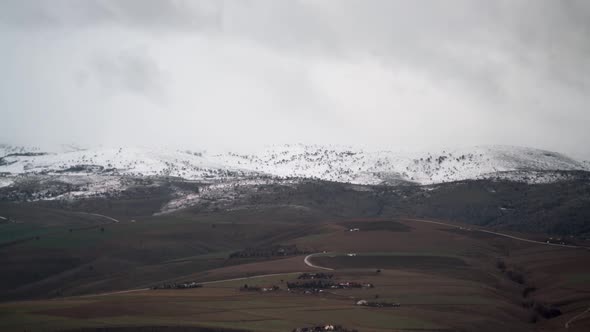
(5, 182)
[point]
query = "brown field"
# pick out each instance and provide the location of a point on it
(444, 279)
(408, 262)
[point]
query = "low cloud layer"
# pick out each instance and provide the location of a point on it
(240, 74)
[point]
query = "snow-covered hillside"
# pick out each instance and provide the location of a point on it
(117, 161)
(375, 167)
(332, 163)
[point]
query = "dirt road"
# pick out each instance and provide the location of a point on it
(310, 264)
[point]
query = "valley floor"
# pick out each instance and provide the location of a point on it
(411, 275)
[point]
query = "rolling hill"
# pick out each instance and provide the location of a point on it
(330, 163)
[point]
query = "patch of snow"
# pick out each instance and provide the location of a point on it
(5, 182)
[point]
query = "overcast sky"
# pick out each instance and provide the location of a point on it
(384, 74)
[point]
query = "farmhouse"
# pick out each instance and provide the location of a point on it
(267, 289)
(322, 328)
(269, 251)
(378, 304)
(182, 285)
(316, 328)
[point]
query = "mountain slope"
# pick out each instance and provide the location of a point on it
(361, 167)
(332, 163)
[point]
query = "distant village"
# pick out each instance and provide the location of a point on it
(306, 283)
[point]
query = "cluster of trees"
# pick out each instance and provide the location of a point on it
(324, 284)
(538, 309)
(83, 168)
(247, 288)
(379, 304)
(315, 284)
(513, 275)
(270, 251)
(182, 285)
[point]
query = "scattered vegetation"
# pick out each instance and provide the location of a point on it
(541, 309)
(378, 304)
(269, 251)
(249, 288)
(181, 285)
(538, 309)
(323, 284)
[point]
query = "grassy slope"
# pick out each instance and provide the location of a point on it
(69, 258)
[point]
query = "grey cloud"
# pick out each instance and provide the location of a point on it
(131, 70)
(466, 41)
(143, 14)
(390, 72)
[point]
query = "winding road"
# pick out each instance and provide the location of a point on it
(307, 262)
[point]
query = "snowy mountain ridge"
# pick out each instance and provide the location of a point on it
(331, 163)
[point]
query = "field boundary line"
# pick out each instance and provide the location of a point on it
(500, 234)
